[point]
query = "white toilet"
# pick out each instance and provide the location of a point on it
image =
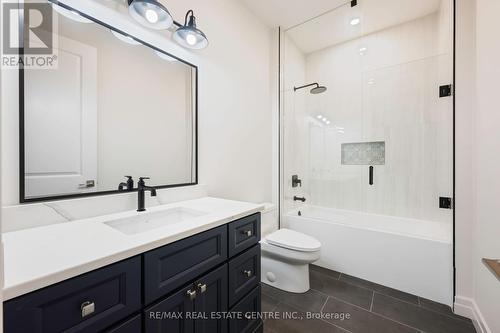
(286, 255)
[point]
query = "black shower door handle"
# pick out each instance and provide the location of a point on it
(370, 181)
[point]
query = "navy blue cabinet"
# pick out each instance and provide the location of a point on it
(132, 325)
(88, 303)
(170, 314)
(187, 287)
(249, 306)
(191, 308)
(243, 234)
(211, 299)
(244, 274)
(169, 267)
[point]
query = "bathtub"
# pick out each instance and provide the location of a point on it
(411, 255)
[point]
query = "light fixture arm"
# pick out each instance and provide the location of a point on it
(187, 16)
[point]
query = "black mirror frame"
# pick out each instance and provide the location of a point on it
(22, 189)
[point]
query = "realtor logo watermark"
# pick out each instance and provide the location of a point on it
(29, 39)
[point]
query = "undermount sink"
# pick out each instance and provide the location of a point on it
(149, 221)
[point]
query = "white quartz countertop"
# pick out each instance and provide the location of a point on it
(39, 257)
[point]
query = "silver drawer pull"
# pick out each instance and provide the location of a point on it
(87, 308)
(247, 273)
(248, 233)
(202, 288)
(191, 294)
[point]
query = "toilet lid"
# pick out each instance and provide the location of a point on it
(293, 240)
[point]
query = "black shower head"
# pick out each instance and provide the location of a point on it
(316, 90)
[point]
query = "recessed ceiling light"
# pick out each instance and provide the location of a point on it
(328, 122)
(355, 21)
(320, 116)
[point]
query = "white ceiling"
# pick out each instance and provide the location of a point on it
(287, 13)
(332, 28)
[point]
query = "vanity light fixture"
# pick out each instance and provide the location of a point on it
(189, 35)
(150, 13)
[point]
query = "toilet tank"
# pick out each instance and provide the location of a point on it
(269, 222)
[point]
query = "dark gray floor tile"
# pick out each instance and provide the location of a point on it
(312, 300)
(380, 288)
(434, 306)
(345, 291)
(362, 321)
(329, 272)
(268, 303)
(300, 324)
(419, 317)
(272, 292)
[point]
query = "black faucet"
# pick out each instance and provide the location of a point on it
(128, 186)
(296, 198)
(141, 189)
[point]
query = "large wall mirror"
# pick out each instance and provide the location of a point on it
(113, 107)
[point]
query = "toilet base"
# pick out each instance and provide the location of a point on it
(291, 277)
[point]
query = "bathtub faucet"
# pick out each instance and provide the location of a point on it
(296, 198)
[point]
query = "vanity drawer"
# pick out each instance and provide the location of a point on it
(108, 295)
(244, 274)
(133, 325)
(171, 266)
(250, 307)
(243, 234)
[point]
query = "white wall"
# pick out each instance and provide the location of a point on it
(487, 160)
(465, 195)
(477, 159)
(235, 120)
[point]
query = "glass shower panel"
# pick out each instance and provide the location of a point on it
(380, 139)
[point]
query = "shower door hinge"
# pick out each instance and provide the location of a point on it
(445, 203)
(445, 91)
(354, 3)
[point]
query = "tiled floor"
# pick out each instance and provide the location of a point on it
(372, 308)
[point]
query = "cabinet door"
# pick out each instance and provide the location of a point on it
(172, 266)
(250, 306)
(85, 304)
(172, 315)
(211, 299)
(243, 234)
(133, 325)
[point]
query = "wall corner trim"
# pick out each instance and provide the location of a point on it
(467, 307)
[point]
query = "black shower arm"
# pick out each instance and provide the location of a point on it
(307, 85)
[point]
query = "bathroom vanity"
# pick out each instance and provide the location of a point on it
(197, 281)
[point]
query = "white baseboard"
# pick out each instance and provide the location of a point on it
(468, 308)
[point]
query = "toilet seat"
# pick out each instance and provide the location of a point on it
(293, 240)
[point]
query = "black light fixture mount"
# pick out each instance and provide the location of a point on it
(189, 35)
